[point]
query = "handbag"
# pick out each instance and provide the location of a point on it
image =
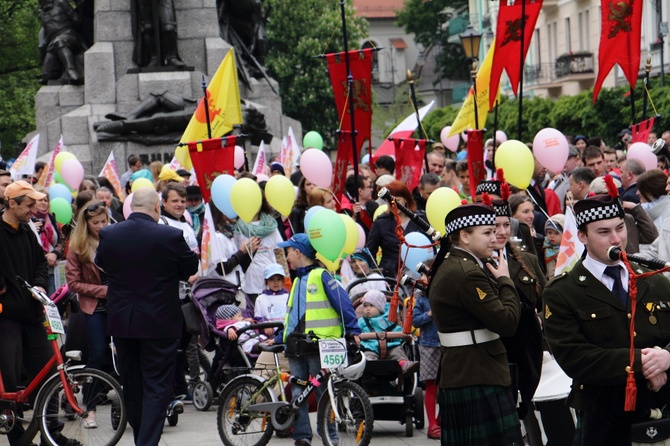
(299, 345)
(191, 317)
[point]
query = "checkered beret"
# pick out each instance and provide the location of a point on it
(469, 215)
(597, 208)
(492, 187)
(502, 208)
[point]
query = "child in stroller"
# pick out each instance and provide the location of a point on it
(229, 319)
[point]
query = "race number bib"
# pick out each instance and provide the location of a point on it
(333, 353)
(55, 321)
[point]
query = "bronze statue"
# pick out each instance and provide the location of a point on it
(60, 44)
(154, 26)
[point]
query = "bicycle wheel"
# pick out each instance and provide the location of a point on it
(237, 426)
(94, 391)
(355, 410)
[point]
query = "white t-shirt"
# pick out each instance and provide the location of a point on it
(364, 287)
(271, 307)
(186, 229)
(254, 282)
(226, 247)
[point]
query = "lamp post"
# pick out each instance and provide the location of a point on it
(470, 40)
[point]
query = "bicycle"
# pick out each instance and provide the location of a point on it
(249, 410)
(64, 397)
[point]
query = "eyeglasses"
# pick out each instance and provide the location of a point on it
(94, 207)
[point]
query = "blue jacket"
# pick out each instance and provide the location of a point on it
(338, 298)
(379, 324)
(422, 321)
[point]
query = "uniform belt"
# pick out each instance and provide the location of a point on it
(470, 337)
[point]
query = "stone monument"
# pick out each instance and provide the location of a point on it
(114, 85)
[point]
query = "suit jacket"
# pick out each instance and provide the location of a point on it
(144, 262)
(587, 328)
(629, 194)
(462, 297)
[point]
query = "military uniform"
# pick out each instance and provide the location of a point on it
(587, 328)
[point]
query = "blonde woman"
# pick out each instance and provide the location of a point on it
(90, 283)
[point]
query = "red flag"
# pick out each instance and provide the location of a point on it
(619, 40)
(476, 169)
(409, 161)
(215, 157)
(508, 42)
(344, 155)
(641, 131)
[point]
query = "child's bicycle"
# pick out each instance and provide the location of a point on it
(65, 397)
(249, 410)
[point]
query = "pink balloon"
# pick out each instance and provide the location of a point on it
(450, 142)
(261, 177)
(361, 236)
(464, 135)
(72, 172)
(643, 152)
(501, 136)
(550, 148)
(126, 206)
(239, 157)
(316, 167)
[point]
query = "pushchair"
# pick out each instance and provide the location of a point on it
(393, 397)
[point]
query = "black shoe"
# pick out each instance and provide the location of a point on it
(62, 440)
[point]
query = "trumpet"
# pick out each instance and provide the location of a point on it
(614, 253)
(384, 194)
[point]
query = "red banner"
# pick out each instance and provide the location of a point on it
(620, 30)
(476, 169)
(409, 160)
(344, 155)
(214, 157)
(508, 42)
(640, 131)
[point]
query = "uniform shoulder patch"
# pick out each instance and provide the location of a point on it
(556, 279)
(481, 293)
(547, 312)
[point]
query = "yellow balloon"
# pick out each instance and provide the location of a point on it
(439, 204)
(246, 199)
(141, 183)
(330, 266)
(61, 158)
(352, 235)
(380, 210)
(184, 158)
(517, 162)
(280, 194)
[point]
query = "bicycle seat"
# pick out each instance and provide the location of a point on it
(274, 348)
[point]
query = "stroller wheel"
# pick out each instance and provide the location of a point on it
(202, 396)
(419, 417)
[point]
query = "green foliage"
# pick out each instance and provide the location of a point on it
(298, 31)
(19, 61)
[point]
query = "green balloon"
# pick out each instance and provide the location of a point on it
(327, 233)
(62, 209)
(312, 140)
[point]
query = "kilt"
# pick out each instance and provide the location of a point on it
(430, 362)
(481, 415)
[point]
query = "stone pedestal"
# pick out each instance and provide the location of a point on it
(108, 87)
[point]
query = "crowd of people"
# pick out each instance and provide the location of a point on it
(493, 309)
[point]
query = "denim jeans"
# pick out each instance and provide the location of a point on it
(303, 368)
(96, 334)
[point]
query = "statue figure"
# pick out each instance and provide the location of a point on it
(154, 26)
(162, 119)
(60, 45)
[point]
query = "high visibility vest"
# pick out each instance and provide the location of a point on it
(320, 317)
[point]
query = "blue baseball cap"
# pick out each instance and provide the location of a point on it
(273, 269)
(301, 243)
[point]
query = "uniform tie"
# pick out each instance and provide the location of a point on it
(615, 273)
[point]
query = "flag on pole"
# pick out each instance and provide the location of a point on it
(465, 119)
(409, 154)
(571, 248)
(641, 130)
(48, 174)
(403, 130)
(111, 172)
(223, 102)
(211, 158)
(209, 248)
(261, 161)
(289, 153)
(25, 163)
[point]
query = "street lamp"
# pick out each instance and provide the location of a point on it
(470, 40)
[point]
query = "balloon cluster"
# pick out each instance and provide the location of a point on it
(68, 175)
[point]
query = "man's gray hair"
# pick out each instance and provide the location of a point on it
(144, 199)
(635, 166)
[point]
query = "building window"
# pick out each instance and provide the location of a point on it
(375, 60)
(568, 44)
(587, 31)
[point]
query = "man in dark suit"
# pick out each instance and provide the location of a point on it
(588, 323)
(144, 262)
(630, 170)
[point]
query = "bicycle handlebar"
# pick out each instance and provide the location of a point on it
(37, 294)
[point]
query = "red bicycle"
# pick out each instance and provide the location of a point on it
(65, 397)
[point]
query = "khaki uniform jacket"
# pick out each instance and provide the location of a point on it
(587, 328)
(463, 297)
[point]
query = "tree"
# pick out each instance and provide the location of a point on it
(297, 32)
(19, 71)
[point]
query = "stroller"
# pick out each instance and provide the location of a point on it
(393, 397)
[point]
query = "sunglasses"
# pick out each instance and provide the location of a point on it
(94, 207)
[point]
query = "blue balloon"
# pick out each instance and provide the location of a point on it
(308, 215)
(60, 191)
(415, 255)
(220, 190)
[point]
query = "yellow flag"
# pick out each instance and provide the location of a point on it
(466, 116)
(223, 101)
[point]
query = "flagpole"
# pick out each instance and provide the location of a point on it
(495, 130)
(647, 69)
(632, 104)
(521, 61)
(412, 91)
(350, 98)
(206, 104)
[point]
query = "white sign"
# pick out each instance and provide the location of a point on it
(55, 321)
(333, 353)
